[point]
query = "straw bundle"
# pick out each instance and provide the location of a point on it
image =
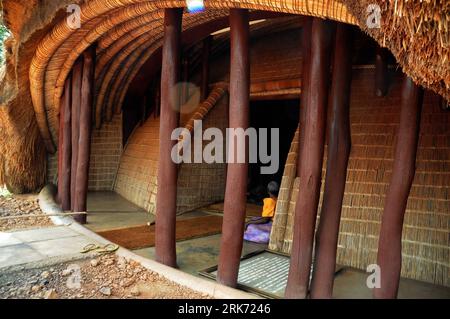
(205, 107)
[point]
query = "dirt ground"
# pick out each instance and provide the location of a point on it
(105, 277)
(19, 205)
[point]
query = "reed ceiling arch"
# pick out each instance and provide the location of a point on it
(139, 49)
(58, 51)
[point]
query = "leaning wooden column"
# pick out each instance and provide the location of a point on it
(339, 144)
(306, 66)
(206, 49)
(311, 162)
(65, 146)
(77, 73)
(84, 141)
(381, 72)
(166, 204)
(390, 241)
(185, 86)
(236, 186)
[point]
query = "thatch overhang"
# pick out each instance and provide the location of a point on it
(418, 35)
(129, 32)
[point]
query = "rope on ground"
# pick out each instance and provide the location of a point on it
(40, 216)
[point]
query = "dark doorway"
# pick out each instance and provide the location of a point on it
(281, 114)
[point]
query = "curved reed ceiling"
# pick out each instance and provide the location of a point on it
(128, 32)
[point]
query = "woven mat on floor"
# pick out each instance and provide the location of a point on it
(144, 236)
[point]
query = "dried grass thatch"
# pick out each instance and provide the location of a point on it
(417, 33)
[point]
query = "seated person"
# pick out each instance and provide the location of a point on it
(258, 228)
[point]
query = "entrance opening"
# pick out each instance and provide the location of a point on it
(281, 114)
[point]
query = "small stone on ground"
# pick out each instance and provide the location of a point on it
(112, 277)
(13, 206)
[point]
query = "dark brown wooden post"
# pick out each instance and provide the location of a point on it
(306, 65)
(185, 86)
(390, 241)
(166, 205)
(311, 161)
(65, 143)
(84, 144)
(381, 72)
(236, 185)
(339, 145)
(206, 50)
(77, 74)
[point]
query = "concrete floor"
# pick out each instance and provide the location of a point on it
(351, 284)
(108, 210)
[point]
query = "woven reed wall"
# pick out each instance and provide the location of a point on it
(198, 184)
(203, 184)
(136, 177)
(106, 148)
(265, 53)
(273, 57)
(426, 231)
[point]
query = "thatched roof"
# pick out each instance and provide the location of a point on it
(129, 32)
(417, 33)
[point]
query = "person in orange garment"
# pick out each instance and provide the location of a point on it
(269, 207)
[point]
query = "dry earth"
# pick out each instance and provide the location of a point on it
(107, 276)
(14, 206)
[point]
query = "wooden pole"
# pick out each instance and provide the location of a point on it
(77, 74)
(206, 50)
(311, 162)
(84, 144)
(65, 143)
(390, 241)
(306, 65)
(236, 185)
(339, 145)
(166, 205)
(381, 72)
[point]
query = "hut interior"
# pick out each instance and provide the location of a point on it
(362, 113)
